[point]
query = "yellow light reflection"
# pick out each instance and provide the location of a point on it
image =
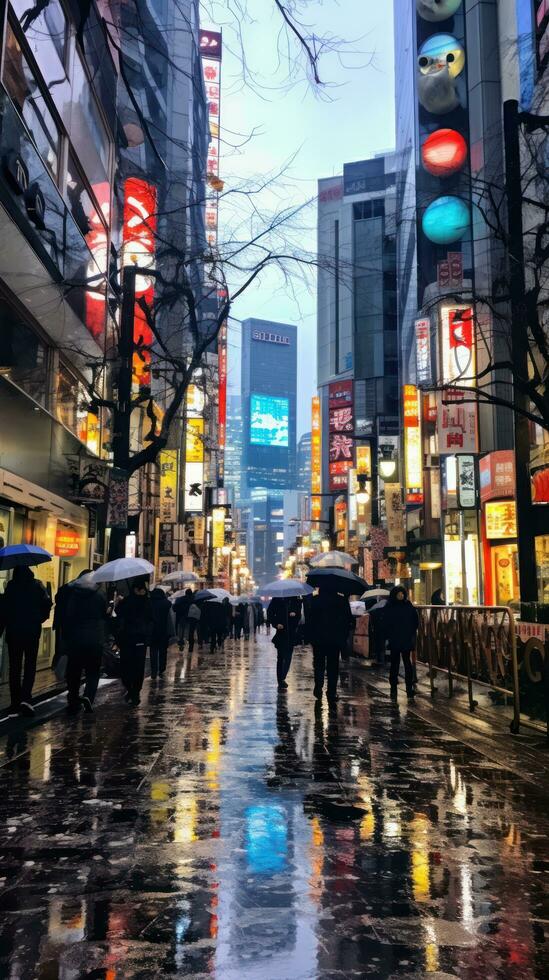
(40, 761)
(213, 754)
(367, 826)
(186, 812)
(421, 873)
(160, 794)
(432, 960)
(317, 860)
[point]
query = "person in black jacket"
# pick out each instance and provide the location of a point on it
(83, 630)
(329, 621)
(284, 616)
(181, 608)
(26, 605)
(161, 609)
(437, 598)
(135, 628)
(400, 625)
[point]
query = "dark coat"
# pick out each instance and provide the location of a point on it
(400, 621)
(84, 617)
(26, 605)
(181, 608)
(161, 609)
(213, 615)
(135, 619)
(280, 611)
(329, 620)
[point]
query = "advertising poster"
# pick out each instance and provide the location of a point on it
(316, 460)
(168, 460)
(501, 519)
(138, 240)
(423, 351)
(194, 441)
(117, 509)
(269, 421)
(165, 539)
(466, 483)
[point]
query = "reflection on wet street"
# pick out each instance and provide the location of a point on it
(222, 830)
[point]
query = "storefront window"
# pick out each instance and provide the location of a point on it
(29, 99)
(71, 404)
(542, 562)
(23, 358)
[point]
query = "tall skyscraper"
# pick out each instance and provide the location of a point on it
(233, 450)
(304, 463)
(269, 395)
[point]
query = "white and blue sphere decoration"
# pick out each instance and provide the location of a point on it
(437, 10)
(446, 220)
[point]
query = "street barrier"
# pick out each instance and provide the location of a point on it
(475, 643)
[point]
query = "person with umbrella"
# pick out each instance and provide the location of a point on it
(25, 606)
(284, 614)
(163, 629)
(400, 626)
(181, 608)
(83, 632)
(329, 621)
(135, 629)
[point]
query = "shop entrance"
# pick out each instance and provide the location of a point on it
(505, 574)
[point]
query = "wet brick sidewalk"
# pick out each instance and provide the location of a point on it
(223, 831)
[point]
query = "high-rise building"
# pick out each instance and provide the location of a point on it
(304, 463)
(357, 323)
(233, 450)
(269, 396)
(450, 151)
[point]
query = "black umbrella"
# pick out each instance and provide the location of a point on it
(203, 595)
(337, 580)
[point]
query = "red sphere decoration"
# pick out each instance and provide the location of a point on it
(444, 153)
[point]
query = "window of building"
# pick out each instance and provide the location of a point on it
(88, 132)
(91, 220)
(23, 357)
(71, 404)
(46, 32)
(27, 95)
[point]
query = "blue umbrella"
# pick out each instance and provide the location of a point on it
(14, 555)
(286, 588)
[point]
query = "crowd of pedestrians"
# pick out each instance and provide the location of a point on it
(142, 621)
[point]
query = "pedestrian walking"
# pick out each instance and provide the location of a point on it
(135, 627)
(329, 622)
(83, 631)
(377, 631)
(193, 620)
(400, 625)
(239, 612)
(163, 629)
(284, 614)
(181, 608)
(227, 618)
(214, 616)
(25, 606)
(250, 617)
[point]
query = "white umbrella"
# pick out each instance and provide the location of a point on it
(332, 559)
(220, 593)
(180, 576)
(376, 594)
(286, 588)
(122, 568)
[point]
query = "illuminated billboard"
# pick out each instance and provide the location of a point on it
(269, 421)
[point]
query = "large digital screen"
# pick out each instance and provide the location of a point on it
(269, 421)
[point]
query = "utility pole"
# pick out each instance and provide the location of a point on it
(519, 351)
(123, 403)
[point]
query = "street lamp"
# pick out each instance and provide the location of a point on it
(363, 492)
(387, 463)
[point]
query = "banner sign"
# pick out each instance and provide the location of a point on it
(341, 427)
(466, 483)
(138, 248)
(194, 488)
(194, 441)
(165, 539)
(456, 423)
(394, 511)
(316, 460)
(413, 449)
(423, 351)
(218, 527)
(168, 485)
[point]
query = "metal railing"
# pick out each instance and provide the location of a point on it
(475, 643)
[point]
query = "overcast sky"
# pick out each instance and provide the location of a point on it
(352, 121)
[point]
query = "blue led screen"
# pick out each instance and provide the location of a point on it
(269, 421)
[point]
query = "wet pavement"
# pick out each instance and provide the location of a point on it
(222, 830)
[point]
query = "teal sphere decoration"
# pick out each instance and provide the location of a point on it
(446, 220)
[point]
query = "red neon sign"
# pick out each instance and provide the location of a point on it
(139, 248)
